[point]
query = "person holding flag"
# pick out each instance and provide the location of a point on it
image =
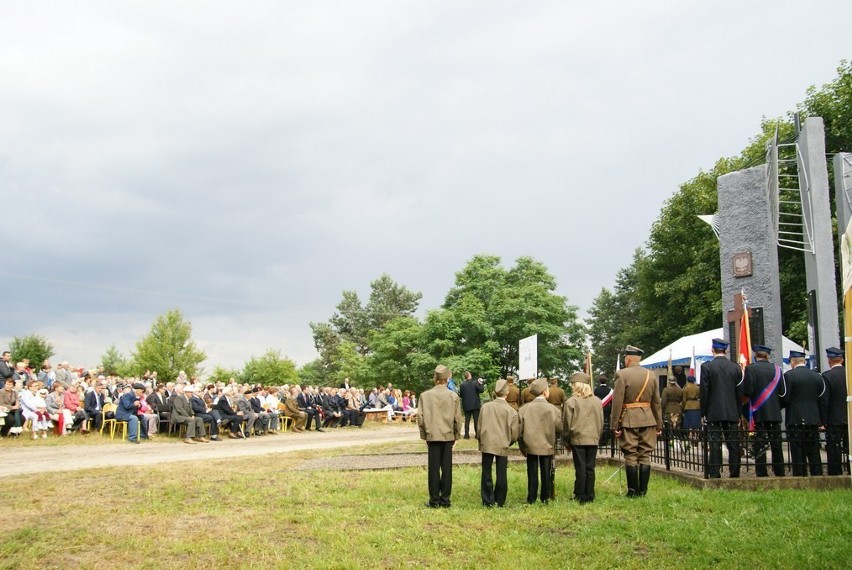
(764, 387)
(604, 394)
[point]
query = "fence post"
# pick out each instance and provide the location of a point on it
(705, 452)
(666, 453)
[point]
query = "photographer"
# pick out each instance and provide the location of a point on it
(469, 391)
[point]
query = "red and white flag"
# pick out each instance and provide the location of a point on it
(745, 337)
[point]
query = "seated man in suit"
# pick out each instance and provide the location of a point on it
(93, 404)
(244, 409)
(267, 420)
(305, 402)
(201, 410)
(182, 414)
(229, 414)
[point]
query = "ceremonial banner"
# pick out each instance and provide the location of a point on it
(745, 337)
(528, 357)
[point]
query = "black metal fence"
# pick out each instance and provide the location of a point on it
(732, 450)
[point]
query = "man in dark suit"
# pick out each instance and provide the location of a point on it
(604, 394)
(804, 388)
(763, 385)
(199, 408)
(226, 404)
(469, 392)
(721, 394)
(833, 403)
(182, 414)
(305, 402)
(158, 402)
(93, 404)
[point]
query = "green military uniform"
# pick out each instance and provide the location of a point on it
(513, 395)
(636, 418)
(556, 394)
(670, 403)
(439, 418)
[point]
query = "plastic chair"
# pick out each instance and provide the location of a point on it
(110, 421)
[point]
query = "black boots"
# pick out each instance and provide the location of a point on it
(632, 472)
(644, 475)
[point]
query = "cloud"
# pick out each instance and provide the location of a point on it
(248, 163)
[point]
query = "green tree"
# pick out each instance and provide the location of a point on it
(354, 323)
(270, 369)
(489, 309)
(115, 363)
(222, 374)
(34, 347)
(398, 353)
(168, 348)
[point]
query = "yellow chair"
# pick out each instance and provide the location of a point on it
(286, 421)
(110, 421)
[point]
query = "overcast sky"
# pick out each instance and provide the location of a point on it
(248, 161)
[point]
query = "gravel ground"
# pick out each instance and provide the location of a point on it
(16, 461)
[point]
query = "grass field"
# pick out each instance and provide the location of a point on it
(257, 512)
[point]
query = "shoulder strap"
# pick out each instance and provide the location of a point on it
(645, 385)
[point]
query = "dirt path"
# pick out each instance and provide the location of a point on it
(23, 461)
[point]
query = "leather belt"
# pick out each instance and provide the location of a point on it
(638, 405)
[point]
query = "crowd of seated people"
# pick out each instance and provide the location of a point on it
(66, 400)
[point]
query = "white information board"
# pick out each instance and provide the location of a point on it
(528, 357)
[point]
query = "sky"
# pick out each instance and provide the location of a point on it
(247, 162)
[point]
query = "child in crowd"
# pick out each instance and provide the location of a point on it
(582, 419)
(539, 425)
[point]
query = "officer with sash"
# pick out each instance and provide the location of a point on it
(834, 405)
(721, 394)
(637, 419)
(763, 385)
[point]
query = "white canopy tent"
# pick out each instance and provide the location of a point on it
(681, 350)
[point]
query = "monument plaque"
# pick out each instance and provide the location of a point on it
(742, 264)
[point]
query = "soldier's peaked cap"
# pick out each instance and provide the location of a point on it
(797, 354)
(631, 350)
(720, 344)
(761, 348)
(834, 352)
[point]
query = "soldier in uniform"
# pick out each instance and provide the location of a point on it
(670, 403)
(539, 424)
(513, 395)
(439, 419)
(526, 394)
(763, 385)
(690, 402)
(834, 406)
(804, 388)
(556, 394)
(497, 431)
(637, 419)
(721, 394)
(604, 394)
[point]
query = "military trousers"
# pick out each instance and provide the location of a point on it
(440, 469)
(804, 450)
(637, 444)
(494, 494)
(729, 431)
(767, 435)
(837, 448)
(536, 463)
